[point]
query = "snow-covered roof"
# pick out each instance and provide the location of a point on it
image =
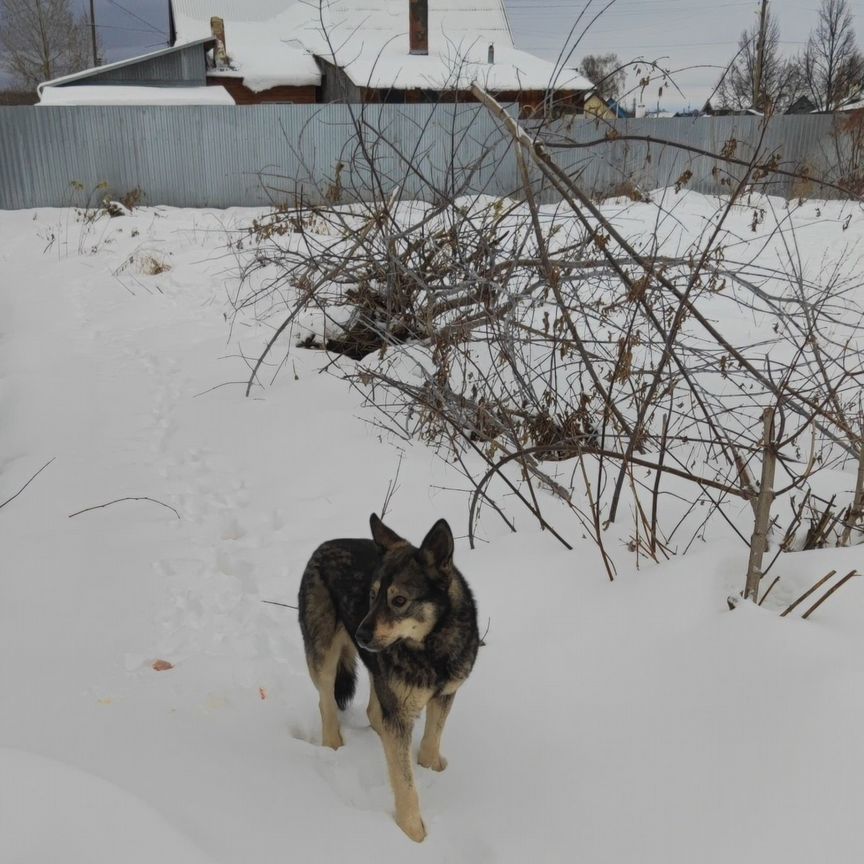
(204, 40)
(108, 94)
(271, 42)
(255, 40)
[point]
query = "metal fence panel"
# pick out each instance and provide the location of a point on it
(606, 158)
(220, 156)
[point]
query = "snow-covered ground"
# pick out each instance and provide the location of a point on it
(637, 721)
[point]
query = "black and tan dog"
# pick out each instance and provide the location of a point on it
(410, 615)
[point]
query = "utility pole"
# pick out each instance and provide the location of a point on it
(93, 33)
(760, 57)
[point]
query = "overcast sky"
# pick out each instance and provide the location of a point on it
(697, 37)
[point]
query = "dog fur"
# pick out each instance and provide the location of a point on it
(410, 615)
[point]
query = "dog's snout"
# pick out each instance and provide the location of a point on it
(363, 635)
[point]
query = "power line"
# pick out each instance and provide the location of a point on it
(131, 14)
(127, 29)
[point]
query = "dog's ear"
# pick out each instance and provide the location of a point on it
(381, 534)
(437, 546)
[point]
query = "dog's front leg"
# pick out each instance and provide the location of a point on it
(437, 710)
(396, 738)
(373, 711)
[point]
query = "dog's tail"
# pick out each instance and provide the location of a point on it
(346, 679)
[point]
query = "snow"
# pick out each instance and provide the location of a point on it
(93, 94)
(271, 43)
(634, 721)
(88, 818)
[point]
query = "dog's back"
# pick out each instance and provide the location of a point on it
(336, 581)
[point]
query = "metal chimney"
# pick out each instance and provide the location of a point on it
(491, 57)
(418, 26)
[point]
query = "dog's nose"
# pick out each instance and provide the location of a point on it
(363, 636)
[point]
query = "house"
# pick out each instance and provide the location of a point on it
(710, 111)
(361, 51)
(606, 109)
(802, 105)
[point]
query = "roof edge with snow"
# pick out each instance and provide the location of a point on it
(206, 41)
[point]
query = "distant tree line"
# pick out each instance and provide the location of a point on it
(828, 73)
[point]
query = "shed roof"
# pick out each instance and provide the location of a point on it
(206, 42)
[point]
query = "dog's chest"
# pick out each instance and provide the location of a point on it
(424, 670)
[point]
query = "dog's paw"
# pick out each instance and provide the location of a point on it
(435, 763)
(334, 742)
(413, 826)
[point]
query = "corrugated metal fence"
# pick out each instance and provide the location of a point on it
(607, 157)
(214, 156)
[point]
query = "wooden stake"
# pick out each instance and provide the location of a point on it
(856, 511)
(759, 540)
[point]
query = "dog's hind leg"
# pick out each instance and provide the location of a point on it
(437, 710)
(329, 652)
(324, 677)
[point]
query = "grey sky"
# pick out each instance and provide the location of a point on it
(699, 34)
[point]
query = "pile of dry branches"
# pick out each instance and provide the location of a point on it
(542, 345)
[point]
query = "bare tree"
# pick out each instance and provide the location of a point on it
(41, 40)
(746, 84)
(606, 72)
(832, 67)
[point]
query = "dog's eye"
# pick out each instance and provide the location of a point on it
(398, 602)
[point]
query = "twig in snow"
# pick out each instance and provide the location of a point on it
(274, 603)
(807, 593)
(118, 500)
(28, 482)
(211, 389)
(829, 592)
(768, 590)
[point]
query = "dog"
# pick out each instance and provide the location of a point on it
(410, 616)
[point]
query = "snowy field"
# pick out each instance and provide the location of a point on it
(633, 721)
